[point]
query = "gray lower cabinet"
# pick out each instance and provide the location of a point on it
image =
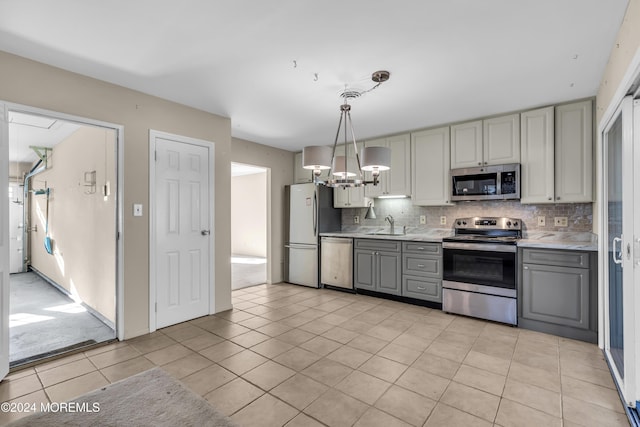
(558, 293)
(422, 271)
(377, 265)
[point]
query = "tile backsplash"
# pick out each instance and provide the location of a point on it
(579, 215)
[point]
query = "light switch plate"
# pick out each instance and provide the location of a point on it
(356, 219)
(443, 220)
(137, 209)
(560, 221)
(423, 219)
(541, 221)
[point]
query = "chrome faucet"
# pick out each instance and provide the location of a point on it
(391, 221)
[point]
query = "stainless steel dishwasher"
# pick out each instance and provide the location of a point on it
(336, 263)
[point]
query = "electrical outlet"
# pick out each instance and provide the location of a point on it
(423, 219)
(541, 221)
(356, 219)
(560, 221)
(443, 220)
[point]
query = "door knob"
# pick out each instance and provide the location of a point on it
(205, 232)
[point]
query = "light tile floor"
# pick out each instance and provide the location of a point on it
(293, 356)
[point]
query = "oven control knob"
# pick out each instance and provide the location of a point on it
(515, 223)
(459, 223)
(509, 224)
(464, 222)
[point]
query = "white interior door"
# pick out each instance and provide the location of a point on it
(182, 219)
(4, 243)
(618, 220)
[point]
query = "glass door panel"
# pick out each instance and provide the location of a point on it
(617, 234)
(613, 140)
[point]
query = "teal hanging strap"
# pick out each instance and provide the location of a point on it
(47, 239)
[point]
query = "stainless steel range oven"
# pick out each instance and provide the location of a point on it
(480, 268)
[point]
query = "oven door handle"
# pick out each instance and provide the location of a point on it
(487, 247)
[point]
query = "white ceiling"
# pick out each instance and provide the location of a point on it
(450, 60)
(27, 130)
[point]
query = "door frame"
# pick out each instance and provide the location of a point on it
(119, 131)
(267, 190)
(210, 146)
(625, 380)
(628, 85)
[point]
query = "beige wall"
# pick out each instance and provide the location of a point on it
(622, 52)
(35, 84)
(280, 164)
(249, 214)
(625, 47)
(82, 220)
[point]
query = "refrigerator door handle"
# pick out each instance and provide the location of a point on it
(315, 213)
(306, 247)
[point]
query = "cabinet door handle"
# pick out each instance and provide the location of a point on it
(420, 265)
(479, 163)
(525, 267)
(421, 248)
(549, 198)
(421, 288)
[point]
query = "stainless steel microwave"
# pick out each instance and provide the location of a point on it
(486, 183)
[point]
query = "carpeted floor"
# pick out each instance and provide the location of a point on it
(151, 398)
(247, 271)
(43, 320)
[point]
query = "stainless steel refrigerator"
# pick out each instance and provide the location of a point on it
(309, 212)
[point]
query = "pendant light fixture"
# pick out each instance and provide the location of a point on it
(345, 170)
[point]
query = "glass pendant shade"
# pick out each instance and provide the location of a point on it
(375, 158)
(316, 157)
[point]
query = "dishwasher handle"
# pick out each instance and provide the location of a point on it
(341, 240)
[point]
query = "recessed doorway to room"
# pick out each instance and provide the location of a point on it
(249, 230)
(63, 223)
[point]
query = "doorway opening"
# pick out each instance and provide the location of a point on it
(249, 229)
(63, 197)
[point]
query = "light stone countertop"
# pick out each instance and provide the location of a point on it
(533, 239)
(413, 234)
(560, 240)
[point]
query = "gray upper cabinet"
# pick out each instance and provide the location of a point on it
(537, 181)
(557, 154)
(501, 140)
(574, 152)
(397, 180)
(486, 142)
(430, 153)
(466, 145)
